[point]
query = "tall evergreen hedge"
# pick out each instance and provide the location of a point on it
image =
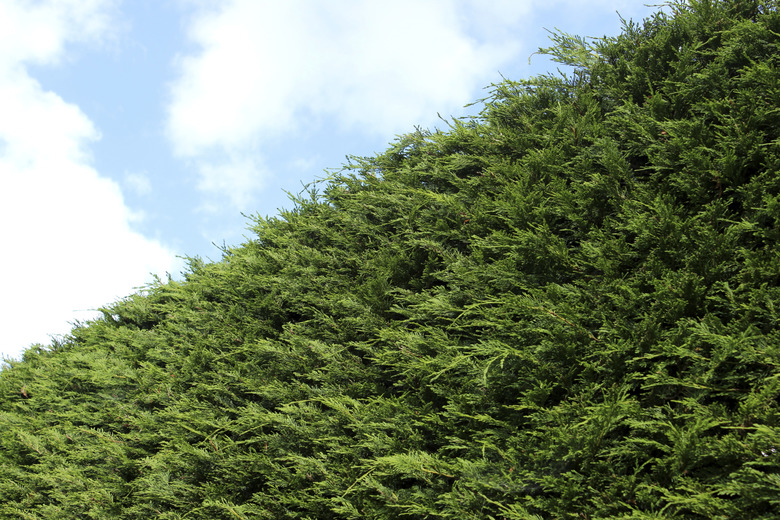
(566, 307)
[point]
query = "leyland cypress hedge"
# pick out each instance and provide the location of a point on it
(566, 307)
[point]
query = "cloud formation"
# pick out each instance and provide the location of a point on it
(267, 69)
(37, 32)
(68, 244)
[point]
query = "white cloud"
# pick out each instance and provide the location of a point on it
(266, 69)
(138, 182)
(36, 32)
(237, 177)
(68, 244)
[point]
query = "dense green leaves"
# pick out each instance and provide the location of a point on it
(563, 308)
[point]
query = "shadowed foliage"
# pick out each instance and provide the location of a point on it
(566, 307)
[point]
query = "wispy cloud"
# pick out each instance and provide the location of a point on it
(37, 32)
(236, 177)
(139, 183)
(264, 70)
(68, 244)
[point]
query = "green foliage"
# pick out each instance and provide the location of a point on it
(563, 308)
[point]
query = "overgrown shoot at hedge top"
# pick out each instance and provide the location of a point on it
(566, 307)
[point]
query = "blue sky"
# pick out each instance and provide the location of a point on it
(136, 132)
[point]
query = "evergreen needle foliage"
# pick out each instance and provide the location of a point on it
(566, 307)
